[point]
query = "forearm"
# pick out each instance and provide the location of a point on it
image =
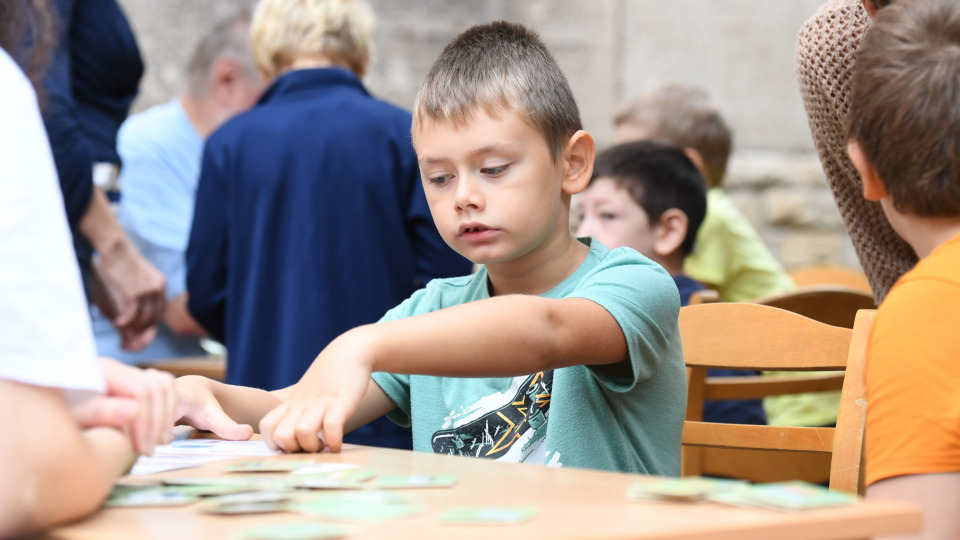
(179, 319)
(243, 404)
(41, 488)
(100, 226)
(502, 336)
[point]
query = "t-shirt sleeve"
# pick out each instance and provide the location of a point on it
(397, 386)
(643, 299)
(912, 375)
(46, 339)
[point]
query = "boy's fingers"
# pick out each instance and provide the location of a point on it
(268, 425)
(307, 427)
(333, 428)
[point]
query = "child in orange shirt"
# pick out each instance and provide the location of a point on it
(904, 133)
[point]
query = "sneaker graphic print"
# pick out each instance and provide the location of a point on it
(516, 428)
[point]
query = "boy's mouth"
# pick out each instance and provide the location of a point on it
(475, 231)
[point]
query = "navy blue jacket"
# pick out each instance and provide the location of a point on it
(310, 220)
(89, 87)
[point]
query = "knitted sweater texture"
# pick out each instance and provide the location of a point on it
(826, 52)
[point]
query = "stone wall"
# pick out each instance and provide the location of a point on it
(741, 50)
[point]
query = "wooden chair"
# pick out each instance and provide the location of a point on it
(756, 337)
(211, 366)
(836, 305)
(829, 274)
(704, 296)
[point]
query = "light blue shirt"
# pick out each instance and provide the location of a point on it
(161, 154)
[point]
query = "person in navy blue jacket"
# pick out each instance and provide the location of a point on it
(88, 88)
(310, 215)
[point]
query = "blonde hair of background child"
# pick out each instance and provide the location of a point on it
(339, 31)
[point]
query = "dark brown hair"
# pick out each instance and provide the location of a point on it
(27, 34)
(905, 105)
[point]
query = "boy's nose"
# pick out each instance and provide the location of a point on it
(468, 194)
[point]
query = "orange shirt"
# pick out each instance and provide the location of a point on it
(913, 372)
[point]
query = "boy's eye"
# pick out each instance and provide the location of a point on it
(493, 171)
(439, 180)
(606, 216)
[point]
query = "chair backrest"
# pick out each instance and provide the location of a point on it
(757, 337)
(703, 296)
(836, 305)
(828, 274)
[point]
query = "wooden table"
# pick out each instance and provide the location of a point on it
(571, 503)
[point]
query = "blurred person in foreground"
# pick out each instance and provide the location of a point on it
(73, 423)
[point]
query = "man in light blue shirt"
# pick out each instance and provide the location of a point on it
(161, 150)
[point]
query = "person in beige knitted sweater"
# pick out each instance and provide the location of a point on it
(826, 52)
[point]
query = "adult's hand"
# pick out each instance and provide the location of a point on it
(130, 291)
(143, 401)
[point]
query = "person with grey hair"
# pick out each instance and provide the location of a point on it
(161, 150)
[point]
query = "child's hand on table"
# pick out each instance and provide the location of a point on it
(198, 407)
(313, 415)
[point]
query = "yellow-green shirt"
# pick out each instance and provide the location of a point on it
(730, 255)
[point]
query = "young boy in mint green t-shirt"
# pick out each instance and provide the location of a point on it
(557, 351)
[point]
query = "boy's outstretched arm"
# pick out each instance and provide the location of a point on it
(497, 337)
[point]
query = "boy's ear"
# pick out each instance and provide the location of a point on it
(873, 188)
(578, 160)
(670, 230)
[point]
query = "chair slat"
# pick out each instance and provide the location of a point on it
(787, 341)
(802, 439)
(760, 386)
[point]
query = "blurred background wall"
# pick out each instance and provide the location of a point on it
(742, 51)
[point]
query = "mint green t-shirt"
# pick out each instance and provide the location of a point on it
(573, 417)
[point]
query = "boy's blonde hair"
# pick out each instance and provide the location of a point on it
(905, 105)
(285, 30)
(685, 116)
(500, 66)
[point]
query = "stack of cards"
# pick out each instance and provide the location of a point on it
(358, 507)
(487, 515)
(295, 531)
(786, 496)
(689, 489)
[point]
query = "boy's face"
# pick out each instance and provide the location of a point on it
(493, 188)
(610, 215)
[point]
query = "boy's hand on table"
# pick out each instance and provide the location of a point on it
(142, 400)
(314, 414)
(198, 407)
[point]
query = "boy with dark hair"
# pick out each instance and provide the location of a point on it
(904, 139)
(557, 351)
(651, 198)
(730, 256)
(648, 197)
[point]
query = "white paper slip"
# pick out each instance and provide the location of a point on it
(319, 468)
(216, 447)
(170, 462)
